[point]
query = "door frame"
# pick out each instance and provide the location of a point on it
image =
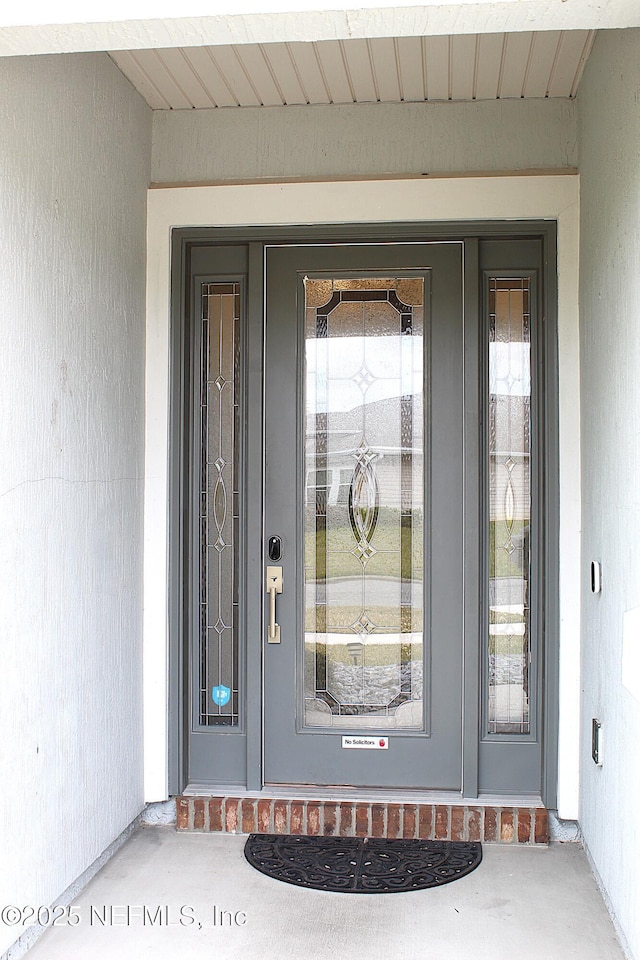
(257, 238)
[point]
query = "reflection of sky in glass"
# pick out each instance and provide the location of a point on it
(336, 353)
(509, 369)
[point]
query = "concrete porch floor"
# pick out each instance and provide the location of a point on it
(522, 903)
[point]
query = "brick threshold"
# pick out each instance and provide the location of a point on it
(424, 821)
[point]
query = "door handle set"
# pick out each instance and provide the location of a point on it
(274, 586)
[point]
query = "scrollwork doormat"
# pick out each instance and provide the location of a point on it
(361, 865)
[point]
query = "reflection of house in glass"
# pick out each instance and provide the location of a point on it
(509, 439)
(364, 504)
(331, 485)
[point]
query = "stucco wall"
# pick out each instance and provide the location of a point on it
(360, 140)
(609, 125)
(74, 158)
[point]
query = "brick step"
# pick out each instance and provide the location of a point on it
(423, 821)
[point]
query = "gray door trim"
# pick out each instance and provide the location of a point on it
(549, 474)
(256, 237)
(253, 505)
(471, 520)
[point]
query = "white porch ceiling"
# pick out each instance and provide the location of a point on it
(462, 67)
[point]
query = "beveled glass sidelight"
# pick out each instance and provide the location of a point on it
(509, 505)
(219, 499)
(364, 503)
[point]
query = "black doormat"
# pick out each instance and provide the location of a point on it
(358, 865)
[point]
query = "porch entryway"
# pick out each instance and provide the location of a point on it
(168, 894)
(86, 378)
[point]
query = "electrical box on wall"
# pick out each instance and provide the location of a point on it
(631, 652)
(596, 742)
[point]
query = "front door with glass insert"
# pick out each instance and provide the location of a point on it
(364, 504)
(374, 420)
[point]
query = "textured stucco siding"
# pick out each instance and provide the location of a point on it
(609, 125)
(360, 140)
(74, 167)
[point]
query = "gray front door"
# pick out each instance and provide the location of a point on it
(329, 403)
(364, 502)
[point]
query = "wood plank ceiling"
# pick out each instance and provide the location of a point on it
(389, 70)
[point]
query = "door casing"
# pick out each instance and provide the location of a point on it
(184, 241)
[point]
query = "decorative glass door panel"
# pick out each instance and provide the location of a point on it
(509, 504)
(218, 515)
(364, 502)
(363, 489)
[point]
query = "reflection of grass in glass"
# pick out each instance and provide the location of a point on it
(501, 563)
(389, 540)
(507, 644)
(496, 616)
(340, 618)
(376, 655)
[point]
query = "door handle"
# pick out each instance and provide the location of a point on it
(274, 585)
